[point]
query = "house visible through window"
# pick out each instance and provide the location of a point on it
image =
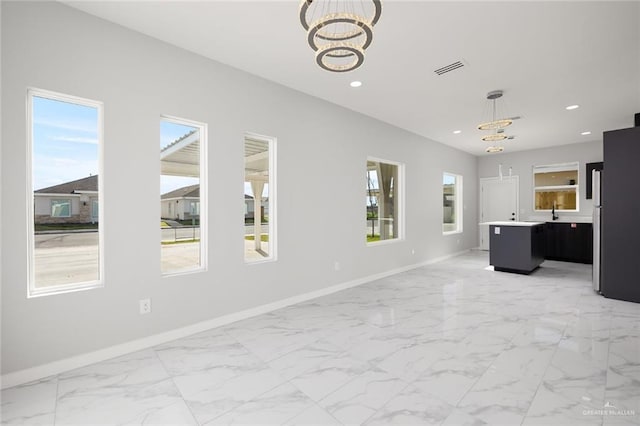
(182, 220)
(65, 136)
(383, 201)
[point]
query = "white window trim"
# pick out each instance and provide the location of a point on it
(32, 291)
(560, 167)
(273, 198)
(458, 204)
(204, 199)
(401, 203)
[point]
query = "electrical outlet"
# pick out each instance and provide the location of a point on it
(413, 251)
(336, 265)
(145, 306)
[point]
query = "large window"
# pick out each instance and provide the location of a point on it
(182, 196)
(259, 198)
(451, 203)
(383, 201)
(556, 187)
(65, 237)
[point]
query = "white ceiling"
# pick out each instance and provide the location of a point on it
(544, 55)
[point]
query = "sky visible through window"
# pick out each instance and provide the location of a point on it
(65, 145)
(65, 142)
(448, 179)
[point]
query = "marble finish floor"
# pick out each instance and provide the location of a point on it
(449, 344)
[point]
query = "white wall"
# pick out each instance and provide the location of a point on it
(42, 203)
(522, 163)
(51, 46)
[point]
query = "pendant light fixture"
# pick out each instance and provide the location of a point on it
(494, 149)
(339, 31)
(496, 123)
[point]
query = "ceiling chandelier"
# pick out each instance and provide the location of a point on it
(339, 31)
(494, 149)
(496, 125)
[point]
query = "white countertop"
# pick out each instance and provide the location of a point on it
(564, 219)
(512, 223)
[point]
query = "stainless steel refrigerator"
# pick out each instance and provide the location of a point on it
(596, 180)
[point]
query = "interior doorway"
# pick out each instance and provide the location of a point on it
(499, 200)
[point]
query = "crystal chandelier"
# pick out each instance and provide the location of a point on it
(496, 125)
(339, 31)
(494, 149)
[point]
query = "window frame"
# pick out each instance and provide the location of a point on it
(204, 199)
(459, 210)
(559, 167)
(399, 191)
(272, 142)
(194, 208)
(95, 207)
(32, 290)
(58, 201)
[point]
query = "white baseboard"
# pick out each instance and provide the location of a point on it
(46, 370)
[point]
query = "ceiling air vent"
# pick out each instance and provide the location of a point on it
(449, 68)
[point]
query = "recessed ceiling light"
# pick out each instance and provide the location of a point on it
(457, 132)
(585, 133)
(355, 83)
(570, 107)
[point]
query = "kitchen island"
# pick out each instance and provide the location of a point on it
(516, 246)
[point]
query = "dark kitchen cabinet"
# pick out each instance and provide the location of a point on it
(569, 242)
(516, 248)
